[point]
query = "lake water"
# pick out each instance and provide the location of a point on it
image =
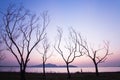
(61, 70)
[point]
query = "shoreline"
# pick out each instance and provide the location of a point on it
(61, 76)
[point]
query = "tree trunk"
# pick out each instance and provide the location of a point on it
(22, 75)
(44, 75)
(69, 76)
(96, 68)
(22, 72)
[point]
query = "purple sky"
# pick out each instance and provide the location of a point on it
(97, 20)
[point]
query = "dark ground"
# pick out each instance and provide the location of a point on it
(61, 76)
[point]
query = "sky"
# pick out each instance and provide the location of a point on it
(96, 20)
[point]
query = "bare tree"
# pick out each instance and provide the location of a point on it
(44, 53)
(2, 56)
(71, 46)
(21, 34)
(97, 55)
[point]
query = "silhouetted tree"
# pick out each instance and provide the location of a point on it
(44, 52)
(97, 55)
(71, 48)
(2, 56)
(21, 34)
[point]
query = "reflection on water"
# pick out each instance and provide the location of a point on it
(61, 70)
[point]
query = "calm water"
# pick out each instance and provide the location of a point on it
(61, 70)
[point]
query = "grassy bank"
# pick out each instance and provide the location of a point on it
(61, 76)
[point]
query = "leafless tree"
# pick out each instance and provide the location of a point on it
(71, 48)
(44, 52)
(21, 34)
(2, 56)
(97, 55)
